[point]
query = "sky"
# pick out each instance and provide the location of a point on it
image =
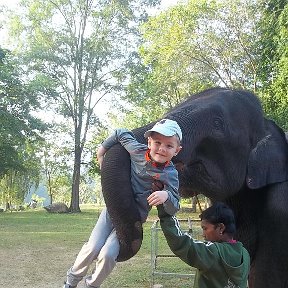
(10, 3)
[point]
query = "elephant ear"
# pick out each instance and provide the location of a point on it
(268, 161)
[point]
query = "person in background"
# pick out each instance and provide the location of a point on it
(149, 163)
(220, 260)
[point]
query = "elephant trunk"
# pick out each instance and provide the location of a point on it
(120, 201)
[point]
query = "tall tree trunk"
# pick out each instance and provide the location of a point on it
(74, 205)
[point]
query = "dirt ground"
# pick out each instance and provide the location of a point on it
(35, 268)
(31, 267)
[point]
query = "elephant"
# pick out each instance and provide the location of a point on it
(231, 153)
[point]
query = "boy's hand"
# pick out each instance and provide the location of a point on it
(157, 198)
(100, 155)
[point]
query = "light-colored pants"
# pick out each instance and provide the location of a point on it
(102, 245)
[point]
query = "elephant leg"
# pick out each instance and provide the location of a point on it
(119, 199)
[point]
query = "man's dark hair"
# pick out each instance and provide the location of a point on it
(220, 213)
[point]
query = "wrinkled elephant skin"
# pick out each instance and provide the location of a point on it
(118, 195)
(232, 153)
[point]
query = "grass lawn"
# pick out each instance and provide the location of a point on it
(37, 248)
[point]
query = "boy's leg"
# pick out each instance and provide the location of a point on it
(106, 261)
(90, 250)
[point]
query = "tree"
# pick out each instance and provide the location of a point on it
(75, 51)
(192, 46)
(273, 54)
(56, 170)
(17, 181)
(19, 132)
(18, 127)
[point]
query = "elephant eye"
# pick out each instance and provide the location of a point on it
(197, 166)
(218, 124)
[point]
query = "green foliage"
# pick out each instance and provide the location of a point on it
(16, 182)
(273, 52)
(19, 132)
(90, 190)
(190, 47)
(55, 162)
(17, 100)
(199, 44)
(100, 133)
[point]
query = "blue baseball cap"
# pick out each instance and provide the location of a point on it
(165, 127)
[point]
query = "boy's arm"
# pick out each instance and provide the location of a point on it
(122, 136)
(100, 154)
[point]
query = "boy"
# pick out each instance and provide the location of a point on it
(148, 163)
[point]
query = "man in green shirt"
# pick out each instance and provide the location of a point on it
(220, 260)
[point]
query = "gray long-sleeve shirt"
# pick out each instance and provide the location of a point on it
(144, 171)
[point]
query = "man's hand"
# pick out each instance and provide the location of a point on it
(157, 198)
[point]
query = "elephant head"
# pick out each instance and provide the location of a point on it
(230, 153)
(221, 127)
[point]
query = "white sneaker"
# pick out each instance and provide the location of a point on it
(88, 286)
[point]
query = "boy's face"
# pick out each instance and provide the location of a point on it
(163, 148)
